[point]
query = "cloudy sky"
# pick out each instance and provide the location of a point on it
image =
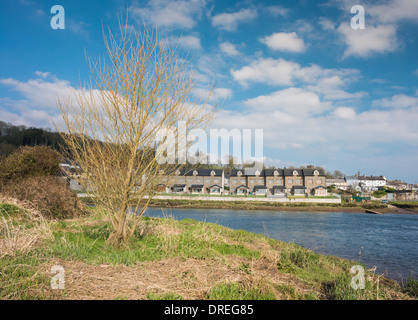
(323, 92)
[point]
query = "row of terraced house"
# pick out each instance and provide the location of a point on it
(268, 182)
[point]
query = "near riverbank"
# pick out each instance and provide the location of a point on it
(170, 259)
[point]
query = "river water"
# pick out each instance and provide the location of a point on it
(389, 241)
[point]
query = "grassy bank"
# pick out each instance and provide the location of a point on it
(169, 259)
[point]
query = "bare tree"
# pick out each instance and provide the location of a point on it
(111, 129)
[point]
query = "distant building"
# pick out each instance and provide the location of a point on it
(371, 183)
(397, 185)
(352, 181)
(337, 183)
(278, 182)
(197, 181)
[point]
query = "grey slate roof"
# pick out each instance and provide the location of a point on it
(201, 172)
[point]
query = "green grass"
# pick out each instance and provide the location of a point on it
(152, 295)
(194, 240)
(19, 278)
(240, 291)
(411, 288)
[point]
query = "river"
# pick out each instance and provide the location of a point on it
(389, 241)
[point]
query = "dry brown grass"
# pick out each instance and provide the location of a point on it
(15, 236)
(190, 278)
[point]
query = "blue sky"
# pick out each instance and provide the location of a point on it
(322, 92)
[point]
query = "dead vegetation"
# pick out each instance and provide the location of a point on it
(15, 237)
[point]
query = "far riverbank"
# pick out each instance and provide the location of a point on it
(276, 206)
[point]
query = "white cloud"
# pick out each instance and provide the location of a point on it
(187, 42)
(40, 91)
(394, 11)
(326, 24)
(277, 10)
(169, 13)
(42, 74)
(282, 41)
(268, 70)
(229, 49)
(329, 83)
(295, 118)
(400, 101)
(291, 101)
(381, 25)
(345, 113)
(371, 40)
(216, 94)
(230, 21)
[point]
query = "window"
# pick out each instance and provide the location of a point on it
(207, 180)
(197, 180)
(319, 180)
(216, 180)
(252, 180)
(270, 180)
(260, 181)
(242, 180)
(279, 181)
(234, 180)
(290, 181)
(297, 181)
(310, 180)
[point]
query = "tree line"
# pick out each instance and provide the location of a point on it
(12, 137)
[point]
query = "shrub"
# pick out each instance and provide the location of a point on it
(30, 161)
(47, 194)
(31, 174)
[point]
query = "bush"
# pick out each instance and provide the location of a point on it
(31, 174)
(30, 161)
(51, 196)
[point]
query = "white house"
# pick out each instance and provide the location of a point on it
(371, 183)
(352, 181)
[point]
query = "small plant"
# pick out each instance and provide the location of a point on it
(240, 291)
(152, 295)
(411, 288)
